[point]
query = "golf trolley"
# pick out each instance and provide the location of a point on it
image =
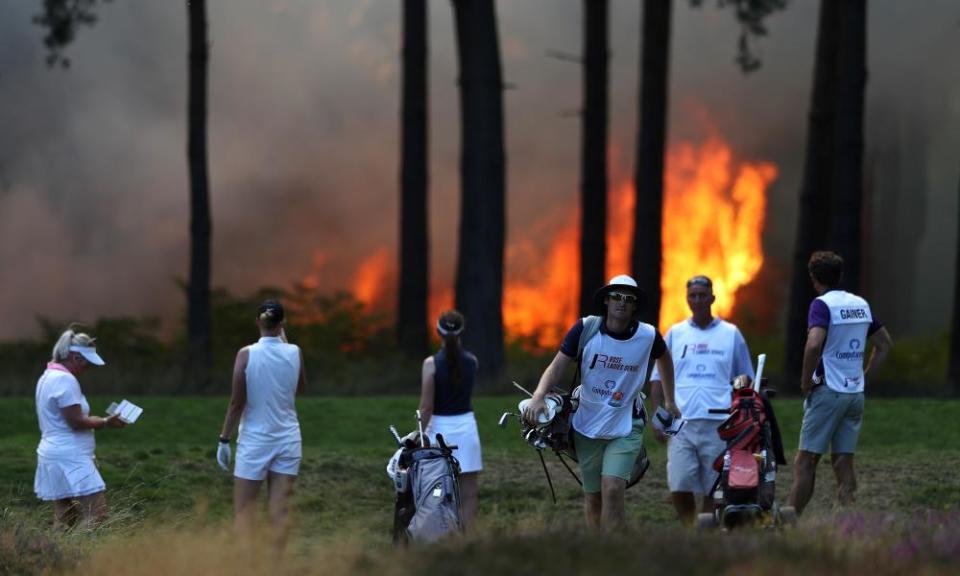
(427, 483)
(744, 492)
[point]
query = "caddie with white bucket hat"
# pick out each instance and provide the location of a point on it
(613, 365)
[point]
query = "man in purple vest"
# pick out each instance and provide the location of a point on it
(839, 326)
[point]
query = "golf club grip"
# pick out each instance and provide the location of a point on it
(761, 360)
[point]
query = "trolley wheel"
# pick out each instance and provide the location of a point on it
(788, 516)
(706, 521)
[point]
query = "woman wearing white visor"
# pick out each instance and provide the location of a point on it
(446, 409)
(67, 472)
(267, 376)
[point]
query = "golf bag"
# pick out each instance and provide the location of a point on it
(427, 483)
(744, 491)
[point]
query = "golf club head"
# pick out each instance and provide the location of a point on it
(503, 419)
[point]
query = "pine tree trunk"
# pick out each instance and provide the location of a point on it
(813, 220)
(851, 77)
(414, 223)
(198, 360)
(479, 286)
(651, 144)
(593, 190)
(954, 369)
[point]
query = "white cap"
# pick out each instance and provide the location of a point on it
(90, 353)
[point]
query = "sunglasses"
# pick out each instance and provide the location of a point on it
(620, 297)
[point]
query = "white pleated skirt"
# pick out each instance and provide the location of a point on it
(67, 477)
(459, 430)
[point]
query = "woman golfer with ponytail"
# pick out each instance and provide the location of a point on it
(267, 376)
(445, 406)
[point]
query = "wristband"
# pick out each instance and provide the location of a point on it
(224, 440)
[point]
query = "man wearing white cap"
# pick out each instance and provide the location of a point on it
(614, 353)
(67, 472)
(707, 353)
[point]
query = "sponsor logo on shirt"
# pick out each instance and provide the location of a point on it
(612, 363)
(701, 349)
(855, 352)
(609, 391)
(700, 371)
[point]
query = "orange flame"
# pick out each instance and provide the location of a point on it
(541, 306)
(714, 211)
(371, 277)
(713, 217)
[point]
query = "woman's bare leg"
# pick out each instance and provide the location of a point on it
(93, 509)
(65, 513)
(245, 494)
(280, 489)
(468, 498)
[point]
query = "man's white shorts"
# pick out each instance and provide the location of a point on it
(255, 460)
(459, 430)
(690, 456)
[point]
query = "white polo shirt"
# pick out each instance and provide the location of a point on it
(56, 390)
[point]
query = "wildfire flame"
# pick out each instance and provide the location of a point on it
(371, 277)
(713, 217)
(714, 212)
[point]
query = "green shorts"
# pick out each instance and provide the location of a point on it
(608, 457)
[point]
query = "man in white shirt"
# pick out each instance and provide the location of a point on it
(707, 353)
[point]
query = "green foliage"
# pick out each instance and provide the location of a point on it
(750, 15)
(351, 349)
(62, 19)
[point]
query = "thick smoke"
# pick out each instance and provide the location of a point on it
(303, 142)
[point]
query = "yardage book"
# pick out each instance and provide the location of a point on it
(126, 410)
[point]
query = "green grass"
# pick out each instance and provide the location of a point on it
(162, 472)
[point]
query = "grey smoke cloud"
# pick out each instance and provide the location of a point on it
(303, 139)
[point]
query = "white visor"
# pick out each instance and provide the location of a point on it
(90, 353)
(444, 332)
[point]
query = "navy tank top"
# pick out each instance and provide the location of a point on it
(449, 399)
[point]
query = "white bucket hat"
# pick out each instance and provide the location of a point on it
(90, 353)
(620, 282)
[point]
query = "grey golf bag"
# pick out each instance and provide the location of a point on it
(427, 482)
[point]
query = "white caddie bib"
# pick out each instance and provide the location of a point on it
(702, 367)
(612, 373)
(842, 356)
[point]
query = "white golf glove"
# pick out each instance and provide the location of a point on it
(223, 456)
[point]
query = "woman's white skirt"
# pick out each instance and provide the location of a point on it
(67, 477)
(459, 430)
